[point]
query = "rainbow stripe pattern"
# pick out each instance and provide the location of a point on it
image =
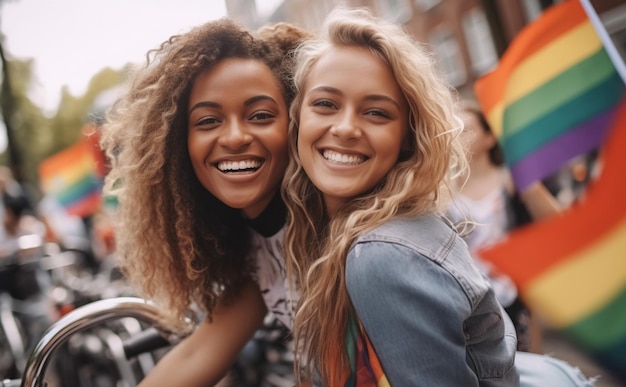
(553, 94)
(365, 368)
(571, 269)
(72, 176)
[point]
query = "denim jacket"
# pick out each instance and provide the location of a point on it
(432, 318)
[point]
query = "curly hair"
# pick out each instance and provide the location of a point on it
(412, 187)
(176, 243)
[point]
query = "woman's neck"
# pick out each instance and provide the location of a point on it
(271, 219)
(480, 164)
(332, 206)
(483, 178)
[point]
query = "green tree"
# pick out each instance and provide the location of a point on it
(75, 112)
(24, 121)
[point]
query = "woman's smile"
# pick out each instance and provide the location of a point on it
(245, 166)
(340, 158)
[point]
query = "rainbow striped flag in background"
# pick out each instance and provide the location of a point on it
(571, 269)
(74, 177)
(553, 94)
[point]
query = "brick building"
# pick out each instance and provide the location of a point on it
(468, 36)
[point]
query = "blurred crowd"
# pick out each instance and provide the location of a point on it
(50, 221)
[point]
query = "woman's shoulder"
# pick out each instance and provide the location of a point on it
(425, 220)
(430, 234)
(427, 241)
(404, 273)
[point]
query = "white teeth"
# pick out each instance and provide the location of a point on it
(236, 166)
(340, 158)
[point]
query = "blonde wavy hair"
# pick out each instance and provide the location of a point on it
(176, 243)
(316, 246)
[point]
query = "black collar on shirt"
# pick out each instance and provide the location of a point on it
(272, 219)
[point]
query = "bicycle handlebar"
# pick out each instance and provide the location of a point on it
(145, 341)
(80, 319)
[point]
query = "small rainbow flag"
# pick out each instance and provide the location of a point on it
(74, 177)
(553, 94)
(571, 269)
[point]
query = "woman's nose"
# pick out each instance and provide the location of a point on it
(235, 136)
(347, 127)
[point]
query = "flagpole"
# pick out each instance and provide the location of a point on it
(616, 58)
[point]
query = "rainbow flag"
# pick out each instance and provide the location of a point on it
(571, 269)
(74, 178)
(553, 94)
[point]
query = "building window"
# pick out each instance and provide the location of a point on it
(400, 11)
(426, 5)
(447, 49)
(482, 50)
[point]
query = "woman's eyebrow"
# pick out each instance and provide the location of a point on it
(258, 98)
(204, 104)
(372, 97)
(247, 102)
(327, 89)
(381, 97)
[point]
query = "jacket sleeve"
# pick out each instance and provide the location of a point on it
(413, 311)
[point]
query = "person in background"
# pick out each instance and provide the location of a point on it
(64, 228)
(9, 185)
(198, 150)
(66, 231)
(16, 212)
(18, 221)
(487, 198)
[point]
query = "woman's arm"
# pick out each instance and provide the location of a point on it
(413, 312)
(205, 356)
(540, 202)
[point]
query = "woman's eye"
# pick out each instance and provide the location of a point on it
(262, 116)
(323, 103)
(378, 113)
(207, 121)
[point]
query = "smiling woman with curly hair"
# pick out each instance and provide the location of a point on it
(198, 150)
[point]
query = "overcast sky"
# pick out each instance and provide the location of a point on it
(72, 40)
